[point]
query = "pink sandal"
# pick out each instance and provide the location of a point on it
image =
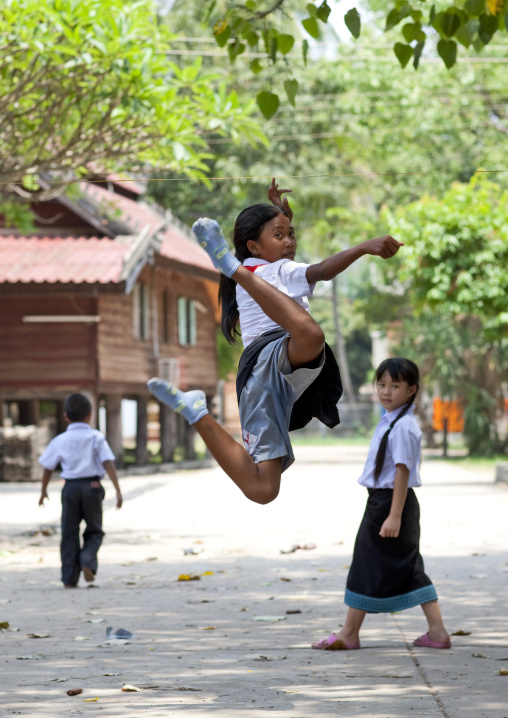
(332, 643)
(426, 642)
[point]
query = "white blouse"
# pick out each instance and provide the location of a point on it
(288, 277)
(403, 447)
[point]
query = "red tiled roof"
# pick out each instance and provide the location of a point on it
(176, 244)
(61, 259)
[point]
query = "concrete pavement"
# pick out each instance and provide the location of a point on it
(198, 648)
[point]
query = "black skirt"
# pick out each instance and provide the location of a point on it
(387, 574)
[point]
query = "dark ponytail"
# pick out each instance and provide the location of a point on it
(248, 226)
(400, 370)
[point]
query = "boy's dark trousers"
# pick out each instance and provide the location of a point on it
(81, 501)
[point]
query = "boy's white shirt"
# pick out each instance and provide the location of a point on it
(80, 451)
(403, 447)
(288, 277)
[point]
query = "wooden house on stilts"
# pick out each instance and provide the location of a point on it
(108, 292)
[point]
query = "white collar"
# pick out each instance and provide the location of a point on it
(391, 415)
(254, 262)
(77, 425)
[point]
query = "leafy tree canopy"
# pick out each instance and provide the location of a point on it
(457, 252)
(267, 31)
(90, 84)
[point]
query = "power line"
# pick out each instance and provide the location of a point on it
(119, 180)
(338, 58)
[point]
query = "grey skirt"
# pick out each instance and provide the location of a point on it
(267, 399)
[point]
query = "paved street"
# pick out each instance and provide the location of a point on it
(198, 648)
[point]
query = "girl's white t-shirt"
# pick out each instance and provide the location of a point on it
(288, 277)
(403, 447)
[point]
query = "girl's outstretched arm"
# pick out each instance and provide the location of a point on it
(384, 247)
(391, 525)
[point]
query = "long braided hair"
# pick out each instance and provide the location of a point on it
(248, 226)
(399, 369)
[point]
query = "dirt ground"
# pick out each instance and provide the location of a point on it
(236, 641)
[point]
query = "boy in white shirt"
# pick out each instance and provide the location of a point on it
(84, 455)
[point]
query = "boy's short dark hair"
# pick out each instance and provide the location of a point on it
(77, 407)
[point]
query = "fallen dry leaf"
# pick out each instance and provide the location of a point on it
(90, 700)
(503, 672)
(4, 624)
(127, 688)
(460, 632)
(297, 610)
(269, 619)
(208, 628)
(74, 691)
(81, 638)
(282, 578)
(38, 635)
(207, 573)
(189, 577)
(479, 655)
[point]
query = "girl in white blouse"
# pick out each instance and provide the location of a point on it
(272, 294)
(387, 572)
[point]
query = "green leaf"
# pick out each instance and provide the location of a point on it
(403, 52)
(478, 44)
(323, 12)
(222, 32)
(210, 10)
(448, 23)
(489, 24)
(447, 50)
(475, 7)
(291, 87)
(311, 9)
(353, 22)
(409, 31)
(256, 66)
(466, 33)
(273, 48)
(285, 43)
(251, 5)
(311, 26)
(305, 51)
(418, 53)
(234, 49)
(268, 103)
(30, 183)
(432, 15)
(392, 19)
(252, 38)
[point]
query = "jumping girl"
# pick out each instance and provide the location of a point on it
(264, 289)
(387, 572)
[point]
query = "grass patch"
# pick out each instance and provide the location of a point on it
(473, 463)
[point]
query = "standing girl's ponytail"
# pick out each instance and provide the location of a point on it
(248, 226)
(399, 369)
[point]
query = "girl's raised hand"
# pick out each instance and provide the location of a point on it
(276, 198)
(384, 247)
